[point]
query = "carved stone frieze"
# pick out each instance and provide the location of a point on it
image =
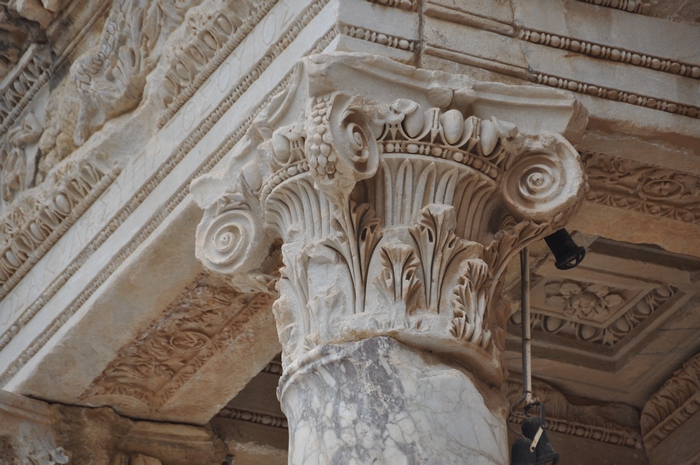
(631, 6)
(33, 224)
(611, 423)
(99, 436)
(17, 163)
(584, 301)
(267, 419)
(618, 95)
(378, 37)
(110, 79)
(611, 53)
(403, 212)
(644, 188)
(591, 312)
(20, 32)
(166, 356)
(673, 404)
(210, 39)
(410, 5)
(25, 80)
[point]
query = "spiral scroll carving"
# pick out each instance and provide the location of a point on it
(544, 181)
(232, 241)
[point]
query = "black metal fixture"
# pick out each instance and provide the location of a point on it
(521, 454)
(567, 254)
(533, 429)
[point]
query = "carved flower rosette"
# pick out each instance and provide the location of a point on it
(397, 219)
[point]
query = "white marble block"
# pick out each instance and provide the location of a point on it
(377, 401)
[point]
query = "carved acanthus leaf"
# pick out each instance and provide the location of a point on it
(398, 279)
(382, 199)
(471, 299)
(358, 235)
(438, 248)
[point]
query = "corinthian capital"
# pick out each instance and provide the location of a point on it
(399, 195)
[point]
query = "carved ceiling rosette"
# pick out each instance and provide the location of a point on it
(398, 209)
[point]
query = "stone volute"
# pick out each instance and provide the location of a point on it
(397, 196)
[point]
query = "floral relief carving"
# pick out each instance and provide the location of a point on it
(391, 210)
(470, 299)
(398, 279)
(673, 404)
(196, 326)
(644, 188)
(110, 80)
(32, 226)
(611, 334)
(359, 236)
(583, 301)
(438, 248)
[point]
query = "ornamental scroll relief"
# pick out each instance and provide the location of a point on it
(397, 217)
(199, 324)
(643, 188)
(672, 405)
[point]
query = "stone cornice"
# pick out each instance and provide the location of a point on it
(617, 95)
(644, 188)
(378, 37)
(265, 419)
(215, 41)
(35, 224)
(590, 422)
(673, 404)
(630, 6)
(143, 234)
(611, 53)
